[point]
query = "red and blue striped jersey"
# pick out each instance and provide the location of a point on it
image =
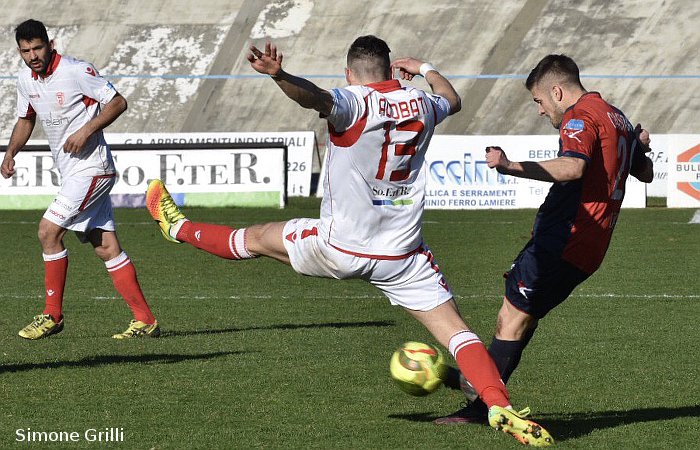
(577, 218)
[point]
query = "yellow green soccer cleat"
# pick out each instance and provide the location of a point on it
(163, 209)
(42, 326)
(139, 329)
(514, 423)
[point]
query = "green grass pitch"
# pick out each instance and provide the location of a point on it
(256, 356)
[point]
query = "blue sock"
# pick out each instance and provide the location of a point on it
(507, 354)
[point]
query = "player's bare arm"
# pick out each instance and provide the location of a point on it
(563, 168)
(107, 115)
(20, 135)
(302, 91)
(410, 67)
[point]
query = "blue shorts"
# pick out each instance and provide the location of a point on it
(539, 281)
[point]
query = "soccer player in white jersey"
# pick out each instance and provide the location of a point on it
(371, 214)
(73, 104)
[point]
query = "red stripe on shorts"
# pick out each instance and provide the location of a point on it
(91, 190)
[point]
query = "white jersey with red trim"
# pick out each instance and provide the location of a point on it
(64, 100)
(374, 188)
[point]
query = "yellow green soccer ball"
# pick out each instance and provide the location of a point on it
(418, 368)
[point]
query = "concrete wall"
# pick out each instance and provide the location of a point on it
(141, 38)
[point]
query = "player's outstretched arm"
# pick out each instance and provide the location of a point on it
(20, 135)
(559, 169)
(301, 90)
(410, 67)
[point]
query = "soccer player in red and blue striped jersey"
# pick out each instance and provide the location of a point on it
(598, 149)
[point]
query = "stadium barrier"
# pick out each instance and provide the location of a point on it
(457, 175)
(458, 178)
(683, 171)
(302, 151)
(203, 174)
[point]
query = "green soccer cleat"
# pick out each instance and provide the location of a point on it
(139, 329)
(42, 326)
(514, 423)
(163, 209)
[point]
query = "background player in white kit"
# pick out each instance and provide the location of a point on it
(73, 104)
(371, 214)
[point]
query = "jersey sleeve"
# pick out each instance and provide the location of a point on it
(578, 135)
(93, 85)
(348, 108)
(440, 105)
(24, 108)
(638, 156)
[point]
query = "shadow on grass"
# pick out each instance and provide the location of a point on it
(571, 426)
(283, 326)
(104, 360)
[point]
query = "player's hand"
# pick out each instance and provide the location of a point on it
(643, 137)
(496, 158)
(407, 67)
(267, 63)
(75, 142)
(8, 167)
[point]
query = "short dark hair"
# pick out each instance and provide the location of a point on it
(31, 29)
(560, 65)
(369, 47)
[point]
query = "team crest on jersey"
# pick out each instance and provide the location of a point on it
(60, 98)
(574, 124)
(90, 71)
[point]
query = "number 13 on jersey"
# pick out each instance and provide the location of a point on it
(403, 139)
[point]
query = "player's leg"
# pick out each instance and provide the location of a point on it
(417, 284)
(95, 224)
(55, 258)
(448, 327)
(219, 240)
(450, 330)
(514, 329)
(123, 273)
(235, 243)
(535, 285)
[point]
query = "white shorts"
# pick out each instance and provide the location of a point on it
(414, 282)
(83, 204)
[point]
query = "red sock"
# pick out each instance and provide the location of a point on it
(124, 278)
(478, 368)
(222, 241)
(55, 270)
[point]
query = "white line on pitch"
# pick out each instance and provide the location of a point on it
(361, 297)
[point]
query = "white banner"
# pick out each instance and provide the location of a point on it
(458, 177)
(300, 149)
(684, 171)
(659, 156)
(217, 177)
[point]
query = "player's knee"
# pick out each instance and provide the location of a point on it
(512, 326)
(48, 235)
(107, 250)
(254, 236)
(261, 239)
